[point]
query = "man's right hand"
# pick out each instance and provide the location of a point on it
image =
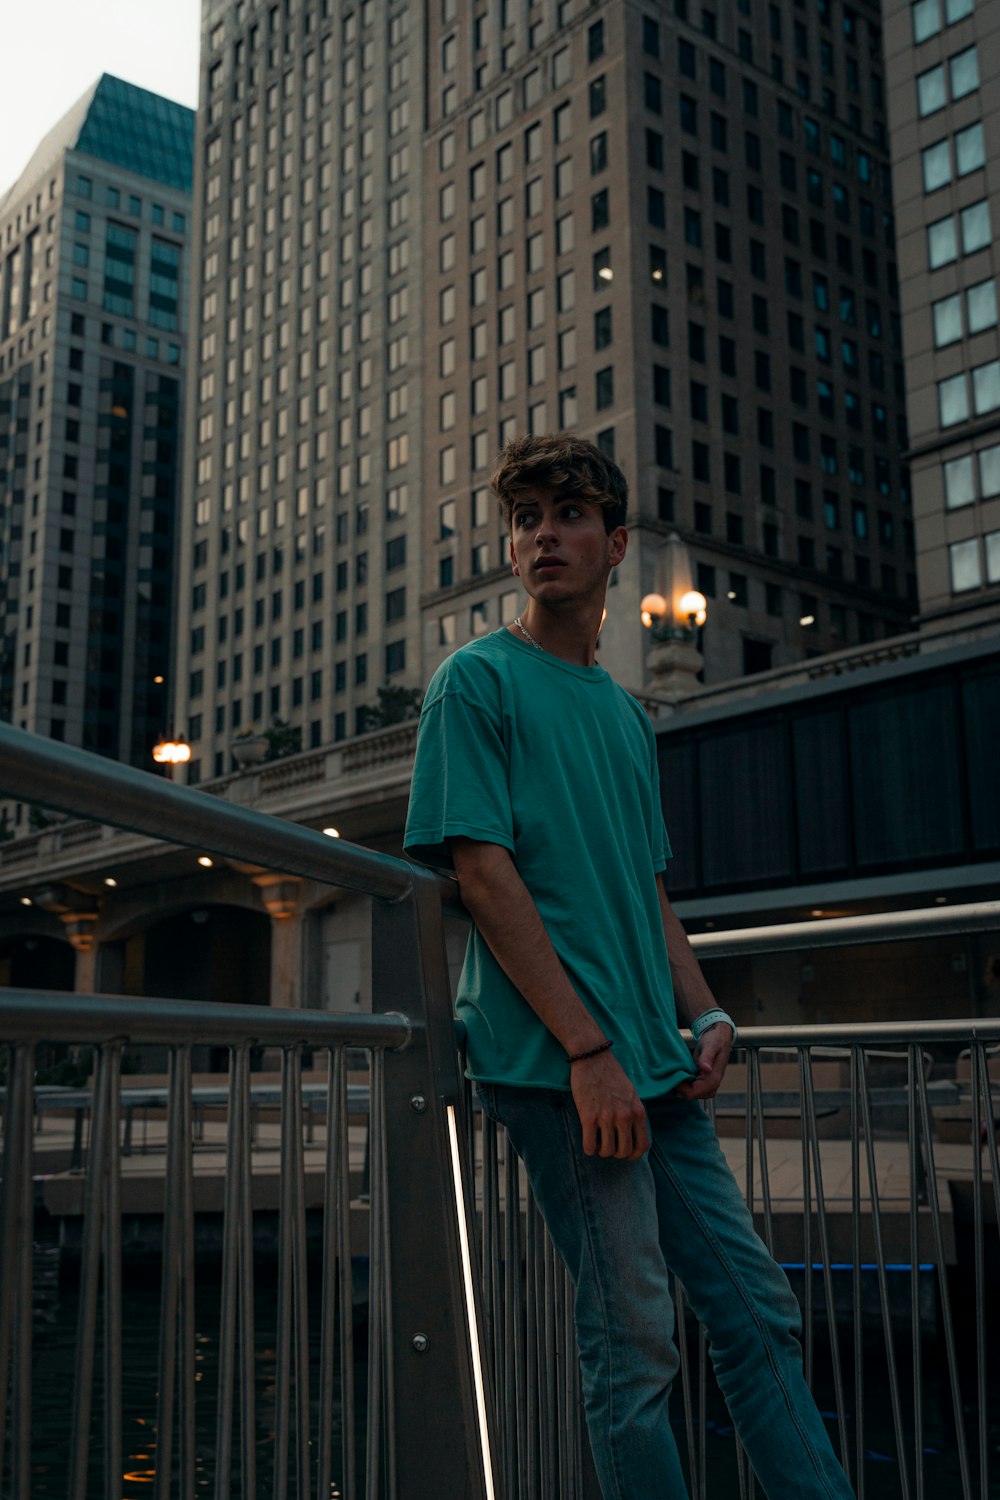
(611, 1112)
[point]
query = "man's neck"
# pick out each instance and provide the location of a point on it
(572, 636)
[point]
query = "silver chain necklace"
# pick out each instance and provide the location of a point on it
(527, 634)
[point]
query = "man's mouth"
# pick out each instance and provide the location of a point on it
(545, 564)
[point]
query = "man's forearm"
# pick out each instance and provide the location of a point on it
(505, 914)
(691, 990)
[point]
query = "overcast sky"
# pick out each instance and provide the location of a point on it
(53, 50)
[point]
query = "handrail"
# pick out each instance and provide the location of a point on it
(36, 769)
(836, 932)
(65, 1017)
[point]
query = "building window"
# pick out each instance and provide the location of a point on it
(966, 570)
(959, 482)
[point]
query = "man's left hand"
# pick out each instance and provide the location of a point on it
(711, 1057)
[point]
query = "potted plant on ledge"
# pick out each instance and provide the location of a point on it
(249, 747)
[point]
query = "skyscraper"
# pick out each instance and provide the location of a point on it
(945, 122)
(93, 290)
(428, 229)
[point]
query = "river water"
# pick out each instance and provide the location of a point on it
(54, 1351)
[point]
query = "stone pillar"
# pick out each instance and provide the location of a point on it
(281, 895)
(81, 931)
(673, 668)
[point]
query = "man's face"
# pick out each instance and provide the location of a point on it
(560, 549)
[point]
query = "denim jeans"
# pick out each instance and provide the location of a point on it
(619, 1226)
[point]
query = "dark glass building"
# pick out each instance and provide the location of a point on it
(93, 315)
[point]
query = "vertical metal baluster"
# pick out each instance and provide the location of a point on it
(748, 1196)
(980, 1122)
(18, 1224)
(10, 1238)
(490, 1258)
(702, 1413)
(947, 1325)
(913, 1067)
(173, 1208)
(388, 1368)
(741, 1470)
(187, 1455)
(807, 1251)
(680, 1324)
(571, 1416)
(94, 1199)
(376, 1287)
(992, 1152)
(112, 1284)
(248, 1371)
(531, 1345)
(548, 1371)
(859, 1360)
(824, 1246)
(230, 1282)
(753, 1057)
(513, 1311)
(328, 1303)
(283, 1342)
(494, 1268)
(345, 1284)
(897, 1415)
(300, 1290)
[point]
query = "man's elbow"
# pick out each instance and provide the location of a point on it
(479, 869)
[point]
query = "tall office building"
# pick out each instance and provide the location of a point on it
(428, 229)
(669, 227)
(300, 578)
(93, 289)
(944, 109)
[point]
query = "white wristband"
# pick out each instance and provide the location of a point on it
(708, 1018)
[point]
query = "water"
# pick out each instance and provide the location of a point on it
(55, 1313)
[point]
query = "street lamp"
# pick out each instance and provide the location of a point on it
(673, 615)
(170, 753)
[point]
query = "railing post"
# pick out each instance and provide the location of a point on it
(439, 1419)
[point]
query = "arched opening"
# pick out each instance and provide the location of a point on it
(36, 962)
(220, 954)
(217, 954)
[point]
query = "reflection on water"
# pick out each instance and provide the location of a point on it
(55, 1313)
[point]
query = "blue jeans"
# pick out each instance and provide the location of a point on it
(619, 1227)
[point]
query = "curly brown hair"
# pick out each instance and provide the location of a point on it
(565, 464)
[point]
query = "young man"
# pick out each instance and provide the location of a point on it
(536, 778)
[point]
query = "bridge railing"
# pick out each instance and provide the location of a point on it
(425, 1394)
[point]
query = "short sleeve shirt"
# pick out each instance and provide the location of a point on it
(556, 763)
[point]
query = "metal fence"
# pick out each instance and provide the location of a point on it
(454, 1373)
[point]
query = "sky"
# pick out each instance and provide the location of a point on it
(53, 50)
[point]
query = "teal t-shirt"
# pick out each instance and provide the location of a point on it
(556, 763)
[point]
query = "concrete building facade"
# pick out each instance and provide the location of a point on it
(424, 231)
(300, 552)
(93, 294)
(670, 228)
(944, 104)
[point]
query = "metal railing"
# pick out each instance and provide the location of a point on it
(890, 1235)
(461, 1378)
(423, 1389)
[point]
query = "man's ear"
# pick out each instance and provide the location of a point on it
(513, 560)
(617, 545)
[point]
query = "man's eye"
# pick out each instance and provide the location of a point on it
(525, 518)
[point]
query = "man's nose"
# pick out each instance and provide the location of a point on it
(546, 529)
